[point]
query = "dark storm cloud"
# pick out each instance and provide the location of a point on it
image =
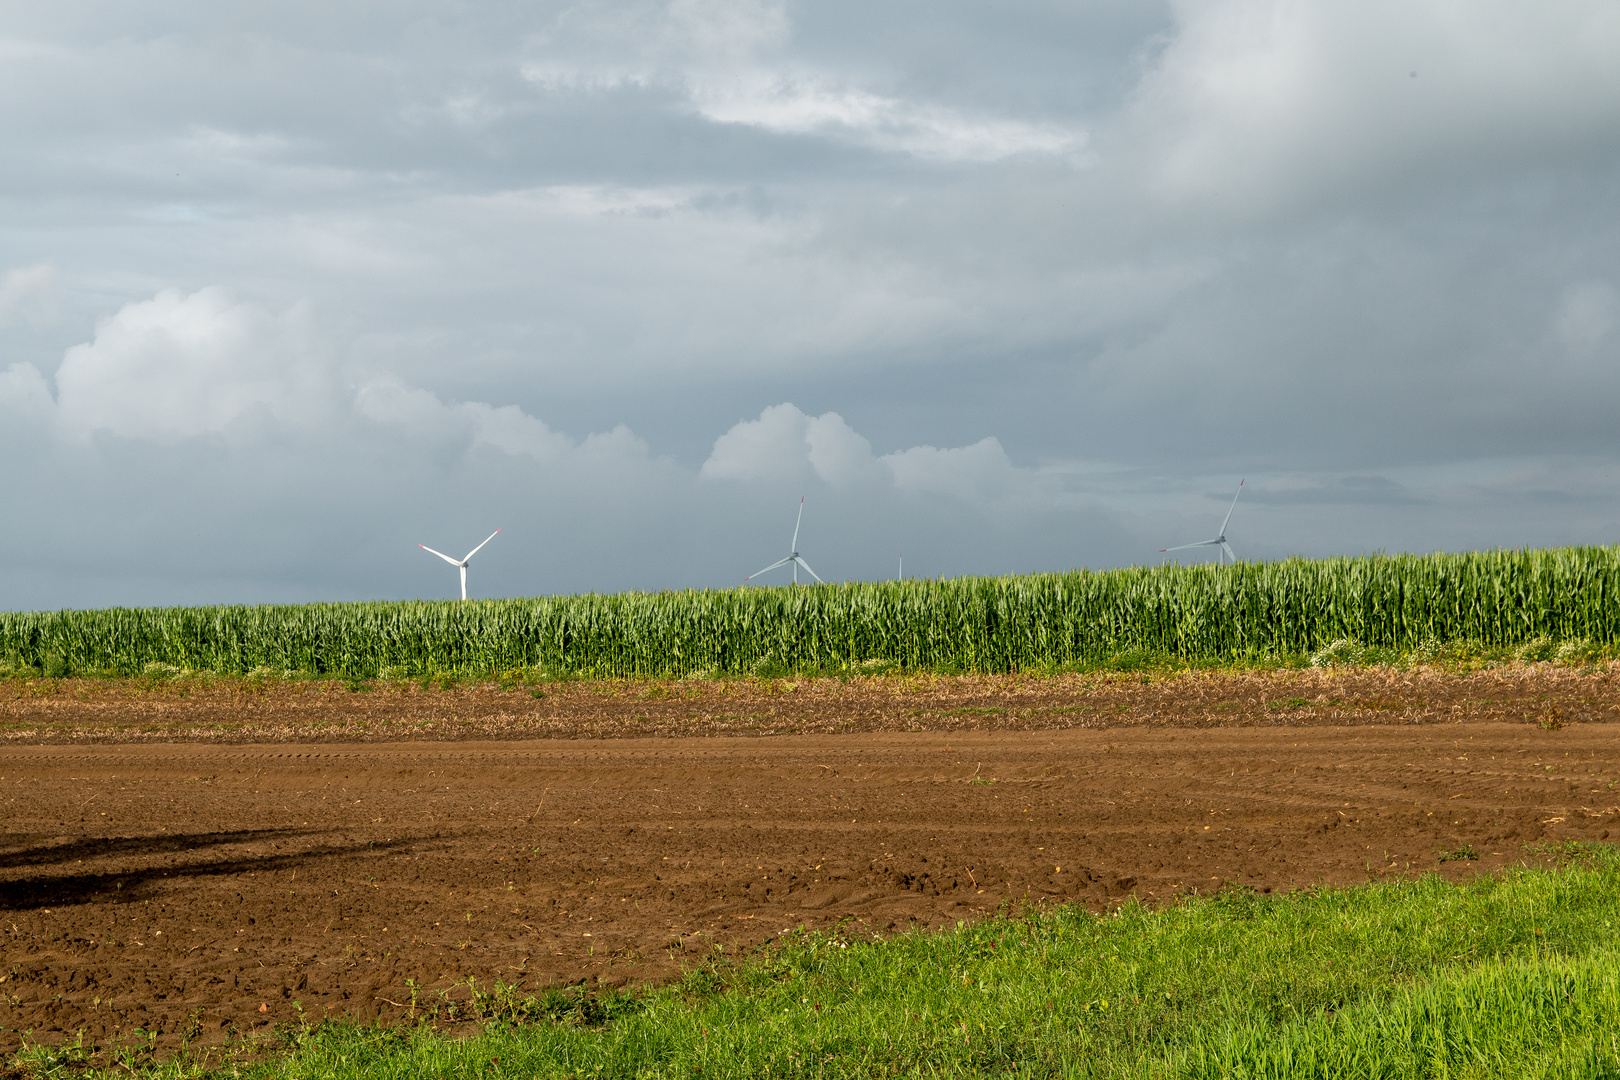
(288, 288)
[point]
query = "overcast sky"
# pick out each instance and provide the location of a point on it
(288, 288)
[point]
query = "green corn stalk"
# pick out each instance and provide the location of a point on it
(1201, 613)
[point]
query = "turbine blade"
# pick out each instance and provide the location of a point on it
(1228, 549)
(796, 525)
(807, 569)
(1231, 508)
(487, 539)
(440, 554)
(1184, 547)
(464, 581)
(768, 569)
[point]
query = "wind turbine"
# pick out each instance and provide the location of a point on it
(461, 564)
(1219, 541)
(793, 558)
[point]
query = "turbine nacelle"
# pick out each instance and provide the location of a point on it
(1220, 541)
(461, 563)
(794, 559)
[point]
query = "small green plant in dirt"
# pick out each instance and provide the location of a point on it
(1581, 653)
(1507, 976)
(1537, 649)
(508, 1004)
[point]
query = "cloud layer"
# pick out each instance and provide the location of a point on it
(285, 291)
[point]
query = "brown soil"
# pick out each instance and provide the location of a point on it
(205, 859)
(248, 711)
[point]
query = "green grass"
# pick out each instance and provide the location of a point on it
(1509, 976)
(1534, 604)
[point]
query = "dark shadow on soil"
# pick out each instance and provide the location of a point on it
(124, 846)
(135, 885)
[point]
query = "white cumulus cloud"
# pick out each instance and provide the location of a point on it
(784, 441)
(773, 445)
(981, 472)
(422, 415)
(23, 392)
(181, 365)
(837, 453)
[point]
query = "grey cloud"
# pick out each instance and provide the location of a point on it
(29, 294)
(195, 409)
(1037, 279)
(1257, 105)
(1339, 491)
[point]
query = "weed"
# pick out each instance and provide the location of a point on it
(1401, 979)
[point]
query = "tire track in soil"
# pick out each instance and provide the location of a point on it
(176, 886)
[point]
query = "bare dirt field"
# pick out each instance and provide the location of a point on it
(214, 858)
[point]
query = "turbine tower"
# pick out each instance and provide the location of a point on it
(1219, 541)
(460, 564)
(793, 558)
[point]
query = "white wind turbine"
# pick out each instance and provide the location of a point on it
(460, 564)
(1219, 541)
(793, 558)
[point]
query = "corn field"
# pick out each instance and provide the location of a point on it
(1032, 622)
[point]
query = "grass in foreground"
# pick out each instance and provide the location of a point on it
(1512, 976)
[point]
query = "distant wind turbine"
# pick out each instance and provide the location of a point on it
(1219, 541)
(461, 564)
(793, 559)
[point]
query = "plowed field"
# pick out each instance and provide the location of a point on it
(197, 860)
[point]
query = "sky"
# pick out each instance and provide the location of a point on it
(288, 289)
